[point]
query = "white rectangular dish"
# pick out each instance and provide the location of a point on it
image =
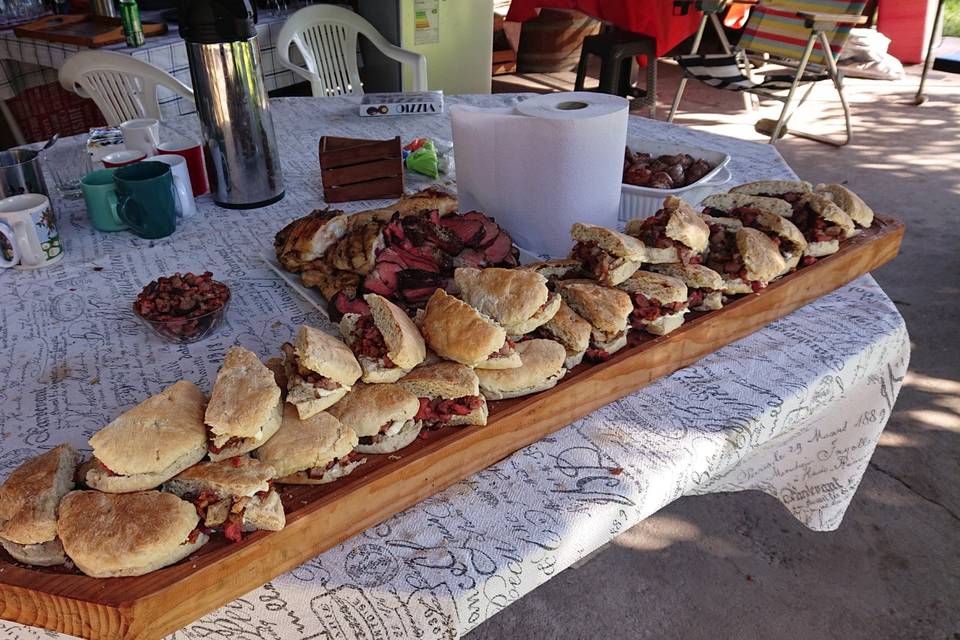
(642, 202)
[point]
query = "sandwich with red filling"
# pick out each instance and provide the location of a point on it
(557, 269)
(516, 299)
(605, 308)
(674, 234)
(383, 415)
(232, 495)
(127, 534)
(456, 331)
(608, 256)
(745, 258)
(29, 501)
(768, 215)
(852, 204)
(704, 285)
(449, 395)
(314, 450)
(320, 370)
(542, 368)
(385, 341)
(570, 330)
(659, 301)
(152, 442)
(245, 406)
(823, 224)
(790, 191)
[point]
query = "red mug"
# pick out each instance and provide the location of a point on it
(192, 152)
(122, 158)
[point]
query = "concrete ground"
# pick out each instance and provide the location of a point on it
(738, 565)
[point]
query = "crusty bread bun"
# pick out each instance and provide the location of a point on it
(324, 354)
(605, 308)
(44, 554)
(31, 493)
(556, 269)
(665, 324)
(456, 331)
(151, 442)
(613, 242)
(264, 513)
(405, 346)
(303, 444)
(761, 258)
(663, 288)
(243, 476)
(337, 471)
(573, 359)
(245, 399)
(826, 209)
(517, 299)
(730, 201)
(773, 187)
(570, 330)
(403, 435)
(854, 206)
(128, 534)
(542, 368)
(370, 406)
(374, 370)
(612, 345)
(695, 276)
(246, 445)
(684, 225)
(447, 380)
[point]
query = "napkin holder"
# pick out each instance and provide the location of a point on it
(359, 169)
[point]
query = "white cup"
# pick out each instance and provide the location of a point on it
(142, 134)
(181, 182)
(121, 158)
(28, 232)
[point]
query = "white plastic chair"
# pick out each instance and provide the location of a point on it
(326, 37)
(123, 87)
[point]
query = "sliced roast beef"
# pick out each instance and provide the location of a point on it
(501, 252)
(383, 279)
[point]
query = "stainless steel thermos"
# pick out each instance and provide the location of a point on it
(240, 146)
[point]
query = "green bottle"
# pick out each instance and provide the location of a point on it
(132, 28)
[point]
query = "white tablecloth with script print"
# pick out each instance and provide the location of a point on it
(794, 410)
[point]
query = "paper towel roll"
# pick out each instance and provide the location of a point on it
(537, 168)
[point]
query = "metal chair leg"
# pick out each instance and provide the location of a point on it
(683, 79)
(581, 71)
(725, 43)
(928, 61)
(793, 87)
(837, 79)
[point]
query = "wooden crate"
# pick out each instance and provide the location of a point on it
(358, 169)
(319, 517)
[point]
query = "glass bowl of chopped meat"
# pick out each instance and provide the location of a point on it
(184, 307)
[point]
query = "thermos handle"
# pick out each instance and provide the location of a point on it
(7, 232)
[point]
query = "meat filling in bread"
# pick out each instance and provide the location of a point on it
(391, 428)
(594, 354)
(793, 197)
(595, 260)
(297, 374)
(437, 412)
(646, 310)
(653, 233)
(724, 257)
(344, 462)
(695, 297)
(231, 442)
(748, 216)
(503, 352)
(367, 342)
(217, 512)
(815, 228)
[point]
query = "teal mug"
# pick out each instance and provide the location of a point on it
(146, 199)
(100, 194)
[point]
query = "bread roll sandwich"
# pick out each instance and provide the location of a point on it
(605, 308)
(29, 501)
(245, 406)
(659, 301)
(516, 299)
(557, 269)
(704, 285)
(314, 450)
(788, 190)
(674, 234)
(320, 370)
(608, 256)
(149, 444)
(769, 215)
(571, 331)
(852, 204)
(381, 414)
(822, 223)
(745, 258)
(449, 395)
(128, 534)
(385, 341)
(233, 495)
(542, 368)
(456, 331)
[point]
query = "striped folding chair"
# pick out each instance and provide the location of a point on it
(800, 38)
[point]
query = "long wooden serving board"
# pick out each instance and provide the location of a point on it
(320, 517)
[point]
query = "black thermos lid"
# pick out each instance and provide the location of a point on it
(216, 21)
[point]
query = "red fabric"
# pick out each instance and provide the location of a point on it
(649, 17)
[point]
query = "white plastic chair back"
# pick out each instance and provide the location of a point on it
(122, 87)
(326, 38)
